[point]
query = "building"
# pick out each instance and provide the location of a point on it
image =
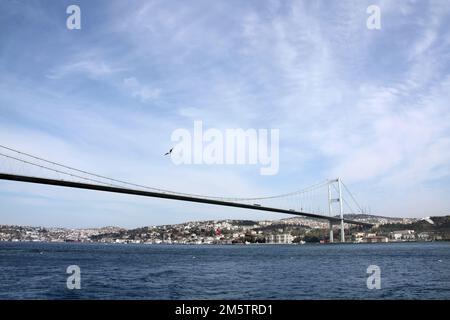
(402, 235)
(359, 236)
(284, 238)
(375, 239)
(424, 236)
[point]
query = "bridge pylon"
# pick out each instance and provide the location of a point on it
(331, 200)
(331, 232)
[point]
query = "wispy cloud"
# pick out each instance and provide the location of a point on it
(139, 90)
(369, 106)
(89, 68)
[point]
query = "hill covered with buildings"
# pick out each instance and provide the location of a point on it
(290, 230)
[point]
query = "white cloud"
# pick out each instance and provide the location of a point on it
(92, 69)
(371, 107)
(141, 91)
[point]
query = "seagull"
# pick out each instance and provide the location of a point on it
(169, 152)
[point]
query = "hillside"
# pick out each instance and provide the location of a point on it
(441, 227)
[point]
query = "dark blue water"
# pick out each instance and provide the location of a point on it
(408, 271)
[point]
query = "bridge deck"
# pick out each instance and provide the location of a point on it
(79, 185)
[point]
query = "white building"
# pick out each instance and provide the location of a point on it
(284, 238)
(404, 235)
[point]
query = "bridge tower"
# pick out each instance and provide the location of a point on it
(331, 200)
(341, 209)
(330, 212)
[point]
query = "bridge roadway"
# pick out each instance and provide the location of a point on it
(79, 185)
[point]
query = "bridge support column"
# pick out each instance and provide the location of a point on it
(331, 232)
(341, 207)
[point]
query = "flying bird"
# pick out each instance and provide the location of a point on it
(168, 152)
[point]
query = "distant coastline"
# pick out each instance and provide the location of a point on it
(296, 230)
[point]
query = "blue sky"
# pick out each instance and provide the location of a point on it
(370, 106)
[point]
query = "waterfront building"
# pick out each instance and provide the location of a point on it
(402, 235)
(375, 239)
(284, 238)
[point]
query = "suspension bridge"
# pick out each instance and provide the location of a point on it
(328, 200)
